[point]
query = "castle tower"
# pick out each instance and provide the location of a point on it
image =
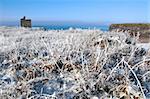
(25, 22)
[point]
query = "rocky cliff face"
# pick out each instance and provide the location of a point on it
(133, 29)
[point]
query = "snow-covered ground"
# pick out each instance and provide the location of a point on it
(144, 45)
(74, 63)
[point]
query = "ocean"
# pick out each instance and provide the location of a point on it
(60, 25)
(65, 27)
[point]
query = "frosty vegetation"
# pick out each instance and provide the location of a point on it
(72, 64)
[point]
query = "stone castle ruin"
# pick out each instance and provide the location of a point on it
(25, 22)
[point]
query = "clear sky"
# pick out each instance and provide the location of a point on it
(95, 11)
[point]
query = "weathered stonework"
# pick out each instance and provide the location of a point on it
(25, 22)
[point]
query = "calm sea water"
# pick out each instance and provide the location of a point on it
(65, 27)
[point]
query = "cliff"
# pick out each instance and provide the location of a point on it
(133, 29)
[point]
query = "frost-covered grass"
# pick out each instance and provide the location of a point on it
(72, 64)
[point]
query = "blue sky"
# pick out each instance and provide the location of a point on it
(94, 11)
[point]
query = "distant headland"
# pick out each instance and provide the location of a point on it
(133, 28)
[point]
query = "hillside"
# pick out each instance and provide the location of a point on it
(133, 29)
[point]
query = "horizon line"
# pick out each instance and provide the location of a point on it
(65, 22)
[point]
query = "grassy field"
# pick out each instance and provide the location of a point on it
(72, 64)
